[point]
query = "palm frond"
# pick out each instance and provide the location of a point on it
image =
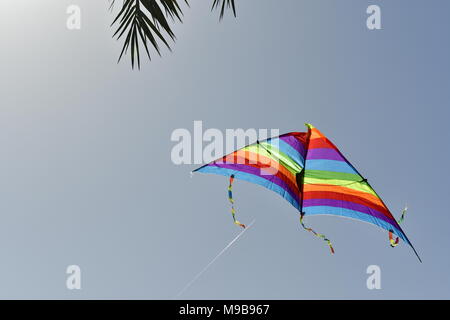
(223, 4)
(143, 22)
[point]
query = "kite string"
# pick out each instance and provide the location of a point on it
(393, 242)
(215, 258)
(316, 233)
(230, 198)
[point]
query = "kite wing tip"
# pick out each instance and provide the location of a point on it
(309, 125)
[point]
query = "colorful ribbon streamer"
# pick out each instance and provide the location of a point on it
(393, 242)
(402, 217)
(230, 198)
(316, 234)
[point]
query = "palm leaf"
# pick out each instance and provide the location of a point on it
(223, 4)
(135, 26)
(145, 21)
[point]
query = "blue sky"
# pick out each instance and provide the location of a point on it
(87, 177)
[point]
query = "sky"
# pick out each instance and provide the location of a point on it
(87, 177)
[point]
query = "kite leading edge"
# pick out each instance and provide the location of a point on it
(310, 172)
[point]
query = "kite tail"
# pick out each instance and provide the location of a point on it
(393, 242)
(316, 234)
(230, 197)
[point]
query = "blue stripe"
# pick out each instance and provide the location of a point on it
(316, 210)
(288, 150)
(253, 179)
(329, 165)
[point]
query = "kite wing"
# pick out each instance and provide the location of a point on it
(331, 185)
(274, 163)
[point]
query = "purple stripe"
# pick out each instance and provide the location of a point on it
(257, 172)
(295, 143)
(325, 154)
(348, 205)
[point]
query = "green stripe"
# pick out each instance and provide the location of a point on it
(359, 186)
(275, 155)
(321, 174)
(284, 158)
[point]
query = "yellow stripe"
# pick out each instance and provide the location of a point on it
(359, 186)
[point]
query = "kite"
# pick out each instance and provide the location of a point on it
(310, 172)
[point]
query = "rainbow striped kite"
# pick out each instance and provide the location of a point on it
(307, 170)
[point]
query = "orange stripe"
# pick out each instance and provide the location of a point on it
(315, 134)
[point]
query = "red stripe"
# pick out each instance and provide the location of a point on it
(321, 143)
(300, 136)
(238, 160)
